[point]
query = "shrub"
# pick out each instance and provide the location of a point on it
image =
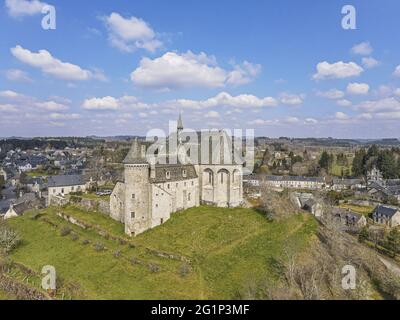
(74, 236)
(9, 239)
(86, 242)
(98, 246)
(153, 268)
(65, 231)
(117, 254)
(184, 270)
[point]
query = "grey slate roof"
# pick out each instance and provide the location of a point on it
(385, 211)
(346, 215)
(65, 181)
(175, 171)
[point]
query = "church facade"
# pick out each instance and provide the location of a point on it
(152, 191)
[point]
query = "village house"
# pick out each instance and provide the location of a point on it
(307, 202)
(295, 182)
(387, 215)
(60, 186)
(340, 184)
(380, 189)
(349, 219)
(27, 202)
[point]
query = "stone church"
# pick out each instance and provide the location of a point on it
(152, 190)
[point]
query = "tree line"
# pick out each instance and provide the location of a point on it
(386, 160)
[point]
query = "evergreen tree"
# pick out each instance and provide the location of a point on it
(325, 160)
(363, 235)
(393, 241)
(358, 167)
(387, 164)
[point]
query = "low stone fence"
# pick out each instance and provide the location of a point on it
(72, 220)
(101, 206)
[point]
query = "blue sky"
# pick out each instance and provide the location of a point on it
(283, 68)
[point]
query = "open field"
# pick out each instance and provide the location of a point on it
(364, 210)
(202, 253)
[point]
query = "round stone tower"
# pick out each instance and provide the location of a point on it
(137, 191)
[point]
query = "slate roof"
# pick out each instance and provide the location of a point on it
(347, 182)
(346, 215)
(20, 208)
(385, 211)
(65, 181)
(175, 173)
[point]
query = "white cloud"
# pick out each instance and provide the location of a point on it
(344, 103)
(17, 75)
(332, 94)
(292, 99)
(262, 122)
(105, 103)
(243, 74)
(341, 116)
(19, 8)
(397, 71)
(175, 71)
(51, 106)
(224, 99)
(65, 116)
(212, 115)
(397, 92)
(291, 120)
(363, 49)
(129, 34)
(386, 104)
(8, 108)
(44, 61)
(10, 94)
(338, 70)
(311, 121)
(358, 88)
(370, 62)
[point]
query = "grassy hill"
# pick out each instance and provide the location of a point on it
(201, 253)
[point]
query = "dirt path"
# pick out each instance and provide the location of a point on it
(392, 266)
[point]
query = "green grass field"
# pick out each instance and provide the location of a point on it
(225, 248)
(364, 210)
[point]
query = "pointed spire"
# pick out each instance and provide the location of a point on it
(180, 122)
(134, 155)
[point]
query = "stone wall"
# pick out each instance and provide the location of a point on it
(101, 206)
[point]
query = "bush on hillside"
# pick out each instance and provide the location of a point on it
(9, 239)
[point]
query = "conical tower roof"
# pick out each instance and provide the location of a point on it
(180, 122)
(134, 155)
